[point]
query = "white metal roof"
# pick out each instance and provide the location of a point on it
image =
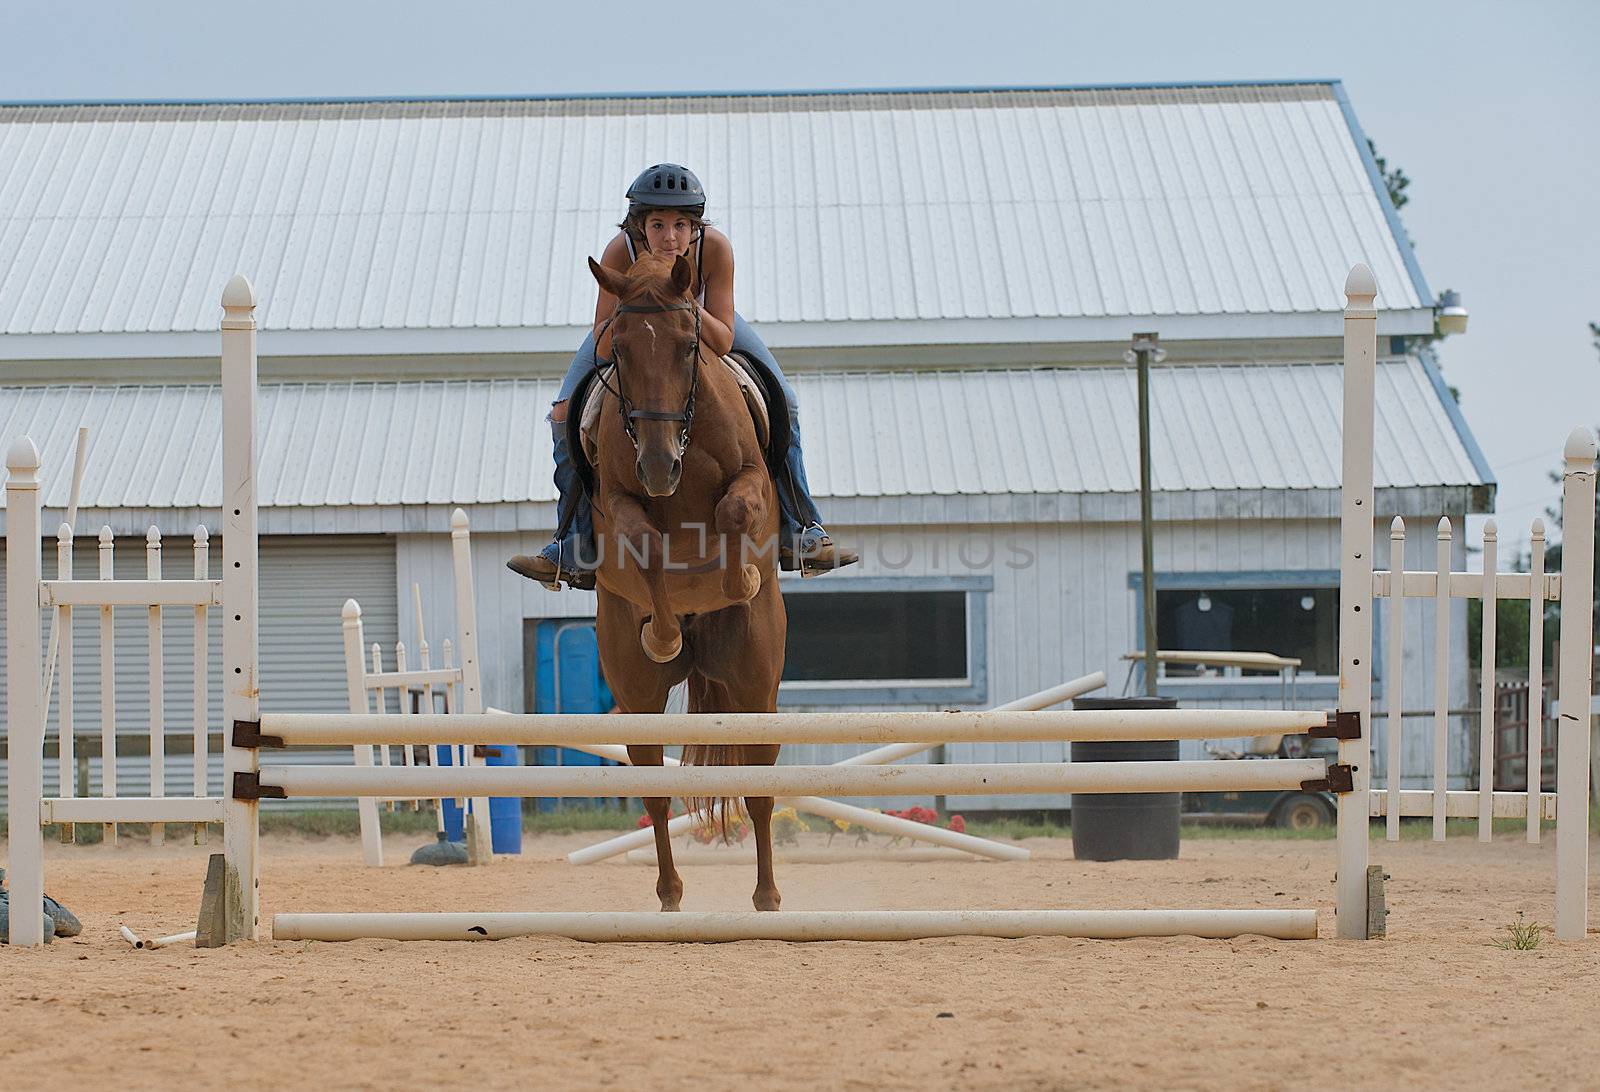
(1045, 431)
(858, 218)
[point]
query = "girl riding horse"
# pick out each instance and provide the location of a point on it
(666, 216)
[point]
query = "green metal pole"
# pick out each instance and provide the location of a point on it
(1144, 347)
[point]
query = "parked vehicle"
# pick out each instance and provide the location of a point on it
(1291, 809)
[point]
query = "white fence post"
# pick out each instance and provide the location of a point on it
(202, 662)
(356, 688)
(471, 677)
(158, 696)
(1441, 679)
(66, 732)
(24, 695)
(1577, 650)
(1535, 745)
(241, 682)
(108, 682)
(1486, 662)
(1393, 683)
(1355, 595)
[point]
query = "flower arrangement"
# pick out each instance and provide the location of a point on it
(787, 826)
(644, 820)
(918, 814)
(862, 835)
(707, 832)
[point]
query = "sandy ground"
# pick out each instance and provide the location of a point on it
(1436, 1005)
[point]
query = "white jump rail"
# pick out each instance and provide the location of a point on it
(802, 925)
(922, 729)
(726, 781)
(246, 780)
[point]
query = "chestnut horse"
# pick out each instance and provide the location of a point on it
(686, 526)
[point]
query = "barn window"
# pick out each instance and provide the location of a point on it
(876, 640)
(1301, 623)
(1292, 613)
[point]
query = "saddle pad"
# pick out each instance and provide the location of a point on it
(749, 386)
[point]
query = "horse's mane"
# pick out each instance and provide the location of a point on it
(650, 276)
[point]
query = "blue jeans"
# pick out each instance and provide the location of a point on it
(794, 495)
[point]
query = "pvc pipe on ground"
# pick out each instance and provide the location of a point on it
(746, 855)
(811, 805)
(158, 942)
(735, 781)
(872, 820)
(802, 925)
(923, 729)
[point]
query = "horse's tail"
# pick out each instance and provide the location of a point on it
(714, 813)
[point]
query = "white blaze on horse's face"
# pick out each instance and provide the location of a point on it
(655, 376)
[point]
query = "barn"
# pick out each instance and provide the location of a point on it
(951, 278)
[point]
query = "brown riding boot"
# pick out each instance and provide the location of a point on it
(544, 570)
(817, 554)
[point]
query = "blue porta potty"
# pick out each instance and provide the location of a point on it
(505, 813)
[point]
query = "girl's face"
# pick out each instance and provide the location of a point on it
(667, 231)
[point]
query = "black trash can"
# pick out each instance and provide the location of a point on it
(1125, 826)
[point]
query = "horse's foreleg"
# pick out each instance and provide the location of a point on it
(741, 510)
(669, 885)
(644, 546)
(760, 811)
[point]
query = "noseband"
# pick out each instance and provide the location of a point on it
(629, 413)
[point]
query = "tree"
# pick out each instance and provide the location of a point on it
(1394, 181)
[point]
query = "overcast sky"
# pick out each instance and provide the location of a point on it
(1491, 108)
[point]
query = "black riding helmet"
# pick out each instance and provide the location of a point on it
(667, 186)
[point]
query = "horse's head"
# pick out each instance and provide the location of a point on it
(655, 341)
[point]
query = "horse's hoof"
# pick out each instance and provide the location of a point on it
(752, 583)
(660, 653)
(769, 902)
(671, 907)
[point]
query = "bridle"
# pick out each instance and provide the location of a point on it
(626, 408)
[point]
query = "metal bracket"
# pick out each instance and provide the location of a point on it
(1340, 778)
(247, 733)
(1341, 725)
(247, 786)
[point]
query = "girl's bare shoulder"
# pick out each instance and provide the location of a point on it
(719, 249)
(615, 255)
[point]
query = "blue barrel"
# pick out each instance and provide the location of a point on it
(505, 813)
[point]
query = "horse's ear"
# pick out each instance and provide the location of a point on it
(612, 281)
(682, 275)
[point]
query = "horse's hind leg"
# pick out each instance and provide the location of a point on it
(760, 811)
(669, 885)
